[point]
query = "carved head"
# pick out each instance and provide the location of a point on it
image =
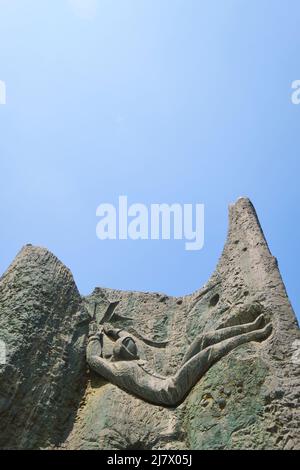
(125, 349)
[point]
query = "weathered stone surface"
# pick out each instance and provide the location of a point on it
(249, 399)
(44, 331)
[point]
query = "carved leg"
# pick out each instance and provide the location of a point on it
(213, 337)
(189, 374)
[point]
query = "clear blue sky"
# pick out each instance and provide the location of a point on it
(162, 100)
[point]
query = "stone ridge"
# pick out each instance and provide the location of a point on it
(45, 370)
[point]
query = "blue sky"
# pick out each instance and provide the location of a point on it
(161, 100)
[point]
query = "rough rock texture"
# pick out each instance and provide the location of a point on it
(249, 399)
(42, 382)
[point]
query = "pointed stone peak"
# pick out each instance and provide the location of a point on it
(244, 225)
(245, 244)
(37, 264)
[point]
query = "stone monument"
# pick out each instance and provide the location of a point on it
(217, 369)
